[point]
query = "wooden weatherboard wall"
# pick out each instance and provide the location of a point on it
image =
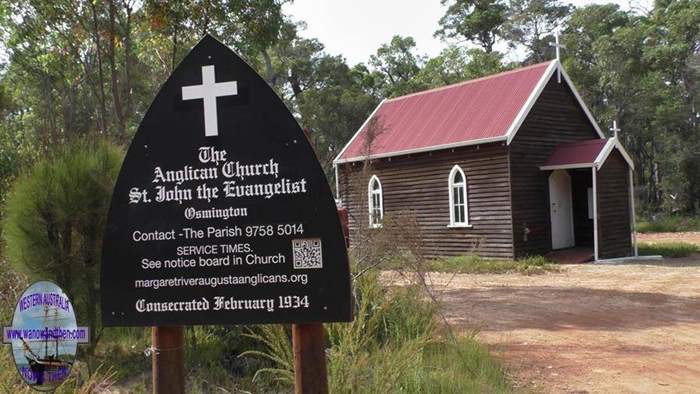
(555, 118)
(418, 184)
(614, 231)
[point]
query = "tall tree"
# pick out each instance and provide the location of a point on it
(640, 70)
(456, 64)
(675, 57)
(530, 23)
(398, 64)
(477, 21)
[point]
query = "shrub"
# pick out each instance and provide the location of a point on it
(55, 218)
(391, 346)
(12, 285)
(472, 264)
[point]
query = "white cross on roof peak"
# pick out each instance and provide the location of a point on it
(557, 46)
(615, 129)
(208, 91)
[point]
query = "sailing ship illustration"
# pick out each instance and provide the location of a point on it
(52, 360)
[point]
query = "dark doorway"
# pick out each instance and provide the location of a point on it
(582, 194)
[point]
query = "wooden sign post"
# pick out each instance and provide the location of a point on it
(222, 214)
(308, 344)
(167, 358)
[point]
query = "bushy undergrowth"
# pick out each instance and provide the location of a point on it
(391, 346)
(53, 222)
(669, 224)
(668, 249)
(213, 361)
(11, 286)
(471, 264)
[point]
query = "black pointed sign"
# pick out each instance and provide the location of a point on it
(221, 213)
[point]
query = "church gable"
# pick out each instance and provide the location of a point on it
(556, 116)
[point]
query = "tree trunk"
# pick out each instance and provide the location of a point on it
(98, 46)
(116, 99)
(271, 76)
(174, 40)
(128, 91)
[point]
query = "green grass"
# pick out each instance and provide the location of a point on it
(668, 249)
(461, 366)
(393, 345)
(122, 348)
(669, 224)
(471, 264)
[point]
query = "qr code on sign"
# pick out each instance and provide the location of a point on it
(307, 253)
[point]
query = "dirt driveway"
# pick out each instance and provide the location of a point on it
(589, 328)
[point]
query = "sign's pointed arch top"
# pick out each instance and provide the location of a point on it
(222, 213)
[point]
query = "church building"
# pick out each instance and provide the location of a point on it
(505, 166)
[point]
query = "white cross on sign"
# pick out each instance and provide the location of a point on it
(209, 90)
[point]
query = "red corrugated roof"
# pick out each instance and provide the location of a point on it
(479, 109)
(574, 153)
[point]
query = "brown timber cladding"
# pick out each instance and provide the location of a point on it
(419, 184)
(555, 118)
(614, 232)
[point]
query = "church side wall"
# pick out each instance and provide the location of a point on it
(417, 185)
(555, 118)
(614, 231)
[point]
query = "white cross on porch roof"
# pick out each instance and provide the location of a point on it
(615, 129)
(209, 90)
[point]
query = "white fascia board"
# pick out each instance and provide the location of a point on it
(337, 158)
(580, 100)
(612, 143)
(604, 153)
(566, 166)
(594, 175)
(624, 153)
(424, 149)
(534, 95)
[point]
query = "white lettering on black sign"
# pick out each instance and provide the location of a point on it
(221, 213)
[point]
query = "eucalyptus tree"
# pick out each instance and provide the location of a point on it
(398, 64)
(532, 23)
(476, 21)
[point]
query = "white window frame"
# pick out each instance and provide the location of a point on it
(450, 186)
(370, 202)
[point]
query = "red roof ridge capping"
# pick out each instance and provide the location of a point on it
(470, 81)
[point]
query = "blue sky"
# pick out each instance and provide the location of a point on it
(356, 28)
